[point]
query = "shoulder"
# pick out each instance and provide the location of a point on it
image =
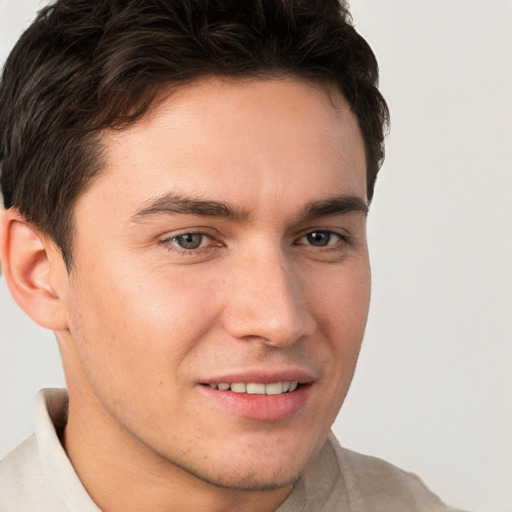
(18, 466)
(376, 485)
(23, 486)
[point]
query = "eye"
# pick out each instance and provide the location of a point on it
(321, 238)
(190, 241)
(191, 246)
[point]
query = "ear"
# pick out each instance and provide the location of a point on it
(34, 271)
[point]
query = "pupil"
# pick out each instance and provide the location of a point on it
(189, 240)
(318, 238)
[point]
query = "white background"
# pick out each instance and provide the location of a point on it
(433, 390)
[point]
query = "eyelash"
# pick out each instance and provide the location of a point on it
(170, 246)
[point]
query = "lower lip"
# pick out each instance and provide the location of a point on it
(261, 407)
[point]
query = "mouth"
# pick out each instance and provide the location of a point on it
(259, 398)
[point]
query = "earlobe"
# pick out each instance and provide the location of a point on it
(30, 263)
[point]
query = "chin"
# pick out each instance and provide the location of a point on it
(251, 480)
(245, 470)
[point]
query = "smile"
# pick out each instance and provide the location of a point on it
(257, 388)
(260, 401)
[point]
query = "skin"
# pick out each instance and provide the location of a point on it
(143, 323)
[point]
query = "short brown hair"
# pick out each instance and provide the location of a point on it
(84, 66)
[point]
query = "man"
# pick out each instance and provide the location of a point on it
(186, 187)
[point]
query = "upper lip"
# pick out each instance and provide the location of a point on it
(263, 375)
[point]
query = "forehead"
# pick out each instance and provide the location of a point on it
(238, 141)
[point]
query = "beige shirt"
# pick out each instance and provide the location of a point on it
(38, 476)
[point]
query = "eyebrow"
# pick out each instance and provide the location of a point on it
(339, 205)
(177, 204)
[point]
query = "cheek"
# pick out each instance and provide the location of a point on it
(135, 342)
(341, 313)
(342, 300)
(129, 324)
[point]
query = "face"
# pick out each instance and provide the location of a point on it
(221, 280)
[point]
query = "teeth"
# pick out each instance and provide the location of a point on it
(258, 388)
(274, 389)
(239, 387)
(255, 388)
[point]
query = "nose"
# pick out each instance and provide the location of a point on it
(266, 303)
